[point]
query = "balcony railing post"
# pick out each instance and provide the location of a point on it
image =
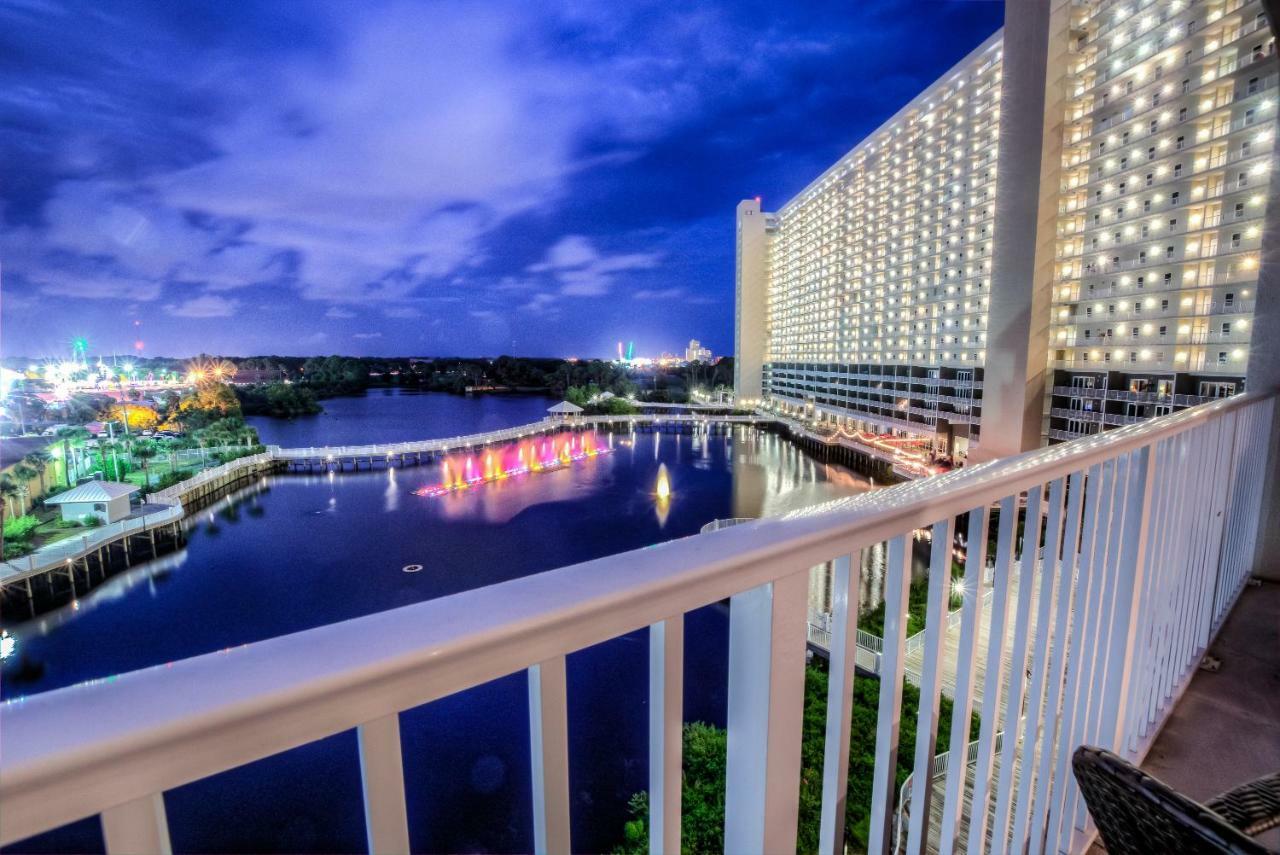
(666, 726)
(962, 707)
(549, 745)
(992, 684)
(767, 643)
(843, 652)
(935, 628)
(137, 827)
(382, 783)
(897, 584)
(1129, 583)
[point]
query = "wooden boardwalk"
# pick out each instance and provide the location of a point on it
(951, 643)
(1009, 659)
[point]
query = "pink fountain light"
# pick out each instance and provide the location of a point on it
(495, 463)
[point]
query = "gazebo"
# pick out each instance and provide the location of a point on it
(564, 410)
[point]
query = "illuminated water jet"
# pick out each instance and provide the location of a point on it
(663, 488)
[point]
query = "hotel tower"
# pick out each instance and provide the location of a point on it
(1060, 235)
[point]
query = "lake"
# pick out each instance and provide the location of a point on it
(304, 550)
(398, 415)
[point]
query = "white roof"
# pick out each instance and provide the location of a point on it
(94, 491)
(564, 407)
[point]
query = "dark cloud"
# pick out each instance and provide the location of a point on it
(448, 173)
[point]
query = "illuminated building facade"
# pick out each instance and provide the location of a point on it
(1063, 236)
(1168, 140)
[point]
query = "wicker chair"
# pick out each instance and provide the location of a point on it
(1138, 815)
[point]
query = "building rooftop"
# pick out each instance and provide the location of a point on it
(94, 491)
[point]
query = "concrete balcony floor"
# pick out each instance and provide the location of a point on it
(1225, 731)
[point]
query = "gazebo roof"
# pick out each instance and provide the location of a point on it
(564, 408)
(94, 491)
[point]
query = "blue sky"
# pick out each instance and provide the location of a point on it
(421, 178)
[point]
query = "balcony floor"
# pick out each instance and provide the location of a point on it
(1225, 731)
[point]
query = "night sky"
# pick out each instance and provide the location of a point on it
(421, 178)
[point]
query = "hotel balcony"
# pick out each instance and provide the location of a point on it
(1098, 574)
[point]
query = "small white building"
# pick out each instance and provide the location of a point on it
(565, 410)
(106, 500)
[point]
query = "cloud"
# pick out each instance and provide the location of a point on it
(366, 335)
(541, 302)
(657, 294)
(402, 312)
(583, 271)
(204, 306)
(338, 313)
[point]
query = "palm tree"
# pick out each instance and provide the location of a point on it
(8, 491)
(22, 474)
(144, 451)
(39, 460)
(68, 435)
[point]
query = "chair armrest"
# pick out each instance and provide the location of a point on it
(1253, 808)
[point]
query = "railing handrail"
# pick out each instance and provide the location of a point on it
(161, 727)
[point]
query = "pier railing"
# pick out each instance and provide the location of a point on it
(75, 548)
(1148, 535)
(445, 444)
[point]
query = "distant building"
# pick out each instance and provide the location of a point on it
(695, 352)
(250, 376)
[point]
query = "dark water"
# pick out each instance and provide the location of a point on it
(301, 551)
(395, 415)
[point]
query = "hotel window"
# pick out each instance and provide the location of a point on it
(1248, 117)
(1235, 240)
(1226, 330)
(1153, 126)
(1177, 170)
(1164, 305)
(1222, 357)
(1186, 86)
(1168, 252)
(1242, 179)
(1229, 299)
(1182, 114)
(1173, 198)
(1150, 178)
(1164, 331)
(1253, 85)
(1239, 210)
(1146, 206)
(1173, 225)
(1180, 143)
(1151, 153)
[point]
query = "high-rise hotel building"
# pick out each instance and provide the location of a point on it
(1060, 235)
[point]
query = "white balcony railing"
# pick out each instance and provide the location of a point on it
(1148, 533)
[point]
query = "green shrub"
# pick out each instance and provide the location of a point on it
(20, 528)
(90, 521)
(16, 549)
(705, 757)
